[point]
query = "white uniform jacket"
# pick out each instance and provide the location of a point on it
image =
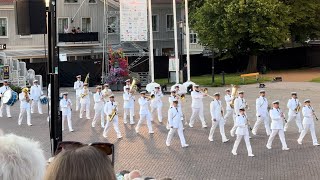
(277, 120)
(85, 99)
(228, 99)
(292, 105)
(197, 99)
(23, 102)
(144, 105)
(35, 92)
(174, 117)
(239, 103)
(216, 110)
(109, 106)
(128, 100)
(241, 124)
(156, 101)
(98, 100)
(125, 87)
(261, 106)
(4, 89)
(78, 85)
(65, 106)
(307, 112)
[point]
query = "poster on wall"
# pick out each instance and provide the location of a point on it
(133, 20)
(172, 64)
(6, 72)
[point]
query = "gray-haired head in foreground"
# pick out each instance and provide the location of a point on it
(21, 158)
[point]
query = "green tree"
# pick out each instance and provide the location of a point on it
(242, 26)
(306, 19)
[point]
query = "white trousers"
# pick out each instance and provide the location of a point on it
(7, 109)
(115, 126)
(234, 128)
(22, 112)
(130, 112)
(78, 103)
(144, 117)
(68, 117)
(98, 112)
(219, 123)
(85, 107)
(159, 111)
(306, 127)
(197, 112)
(262, 119)
(36, 103)
(297, 118)
(180, 133)
(228, 115)
(246, 140)
(281, 136)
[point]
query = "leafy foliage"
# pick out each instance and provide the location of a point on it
(242, 26)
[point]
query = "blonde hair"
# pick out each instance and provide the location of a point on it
(21, 158)
(81, 164)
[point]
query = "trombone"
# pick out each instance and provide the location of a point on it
(205, 91)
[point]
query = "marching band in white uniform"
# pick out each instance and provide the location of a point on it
(78, 85)
(108, 110)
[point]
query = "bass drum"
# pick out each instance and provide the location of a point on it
(13, 99)
(44, 100)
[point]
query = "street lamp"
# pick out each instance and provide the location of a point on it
(181, 26)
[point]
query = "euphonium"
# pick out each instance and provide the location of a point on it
(234, 92)
(113, 113)
(133, 87)
(85, 93)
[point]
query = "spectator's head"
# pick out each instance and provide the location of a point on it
(20, 158)
(82, 163)
(133, 175)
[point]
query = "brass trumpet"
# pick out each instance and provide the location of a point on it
(205, 91)
(149, 97)
(182, 96)
(234, 92)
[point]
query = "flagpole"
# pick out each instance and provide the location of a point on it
(151, 56)
(175, 40)
(187, 37)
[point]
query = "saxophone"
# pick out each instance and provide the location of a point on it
(85, 93)
(113, 113)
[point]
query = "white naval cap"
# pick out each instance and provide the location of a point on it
(262, 91)
(106, 84)
(64, 93)
(5, 81)
(157, 86)
(128, 80)
(227, 90)
(240, 92)
(276, 102)
(111, 95)
(79, 76)
(35, 81)
(173, 91)
(99, 87)
(216, 94)
(293, 93)
(307, 100)
(143, 92)
(196, 85)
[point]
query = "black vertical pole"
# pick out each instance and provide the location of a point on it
(212, 55)
(55, 116)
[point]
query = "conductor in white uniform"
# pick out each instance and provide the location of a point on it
(66, 108)
(294, 107)
(175, 123)
(35, 94)
(197, 106)
(78, 85)
(262, 114)
(216, 111)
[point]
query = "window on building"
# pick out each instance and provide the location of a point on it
(112, 24)
(71, 1)
(86, 24)
(170, 25)
(3, 27)
(92, 1)
(193, 38)
(155, 23)
(63, 25)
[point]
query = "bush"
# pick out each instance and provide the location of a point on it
(17, 89)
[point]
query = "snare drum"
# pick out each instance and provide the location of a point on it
(13, 97)
(43, 99)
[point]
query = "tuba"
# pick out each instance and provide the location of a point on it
(113, 114)
(234, 92)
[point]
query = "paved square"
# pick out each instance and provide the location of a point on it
(202, 159)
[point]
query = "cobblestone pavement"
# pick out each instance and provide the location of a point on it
(203, 159)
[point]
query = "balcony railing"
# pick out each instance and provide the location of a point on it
(79, 37)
